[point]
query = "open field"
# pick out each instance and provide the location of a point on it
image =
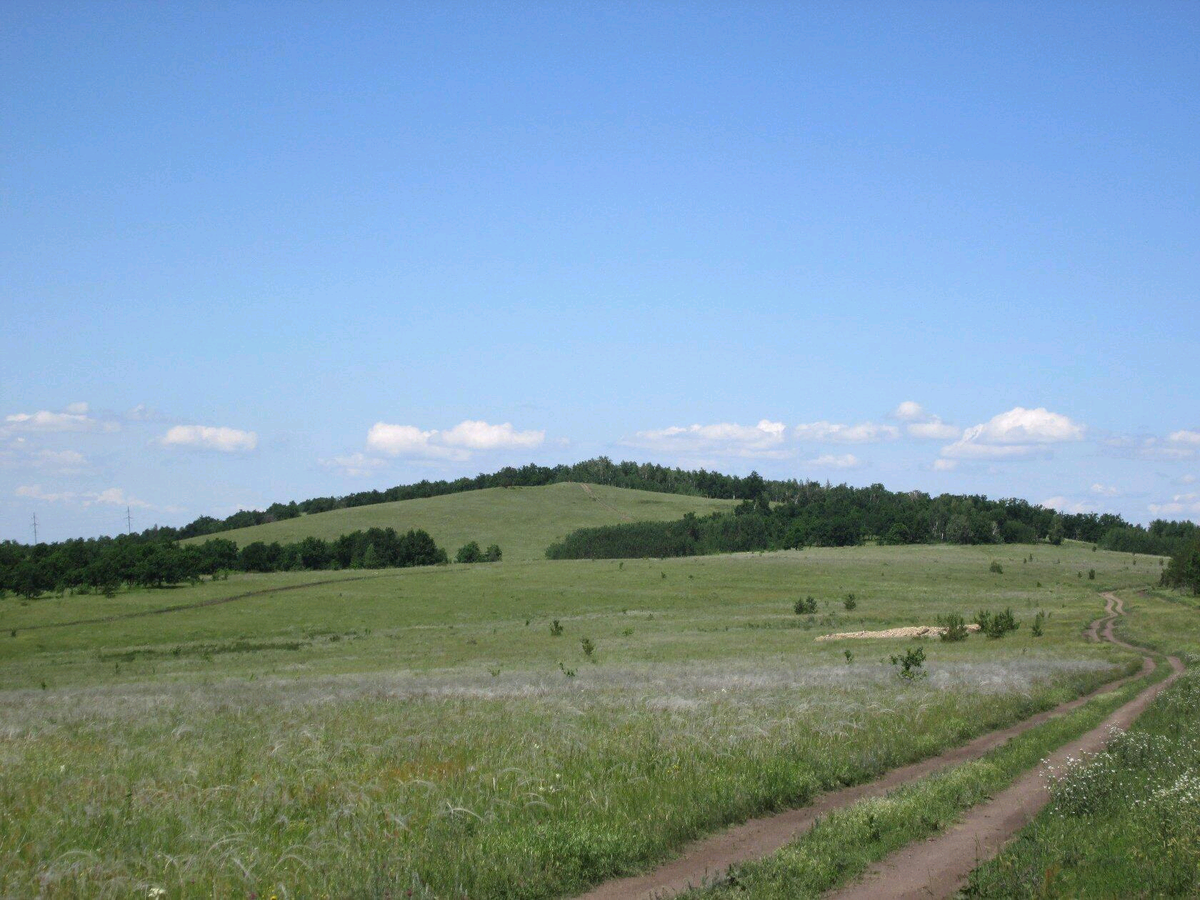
(1124, 822)
(424, 729)
(523, 521)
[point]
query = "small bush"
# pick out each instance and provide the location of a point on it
(492, 553)
(910, 663)
(954, 627)
(996, 624)
(589, 647)
(996, 567)
(1091, 574)
(849, 656)
(850, 602)
(469, 553)
(806, 606)
(556, 629)
(1038, 626)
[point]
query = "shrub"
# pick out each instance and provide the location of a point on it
(805, 606)
(954, 627)
(850, 602)
(556, 628)
(996, 567)
(1091, 574)
(492, 553)
(469, 553)
(588, 646)
(1037, 628)
(849, 656)
(996, 624)
(910, 663)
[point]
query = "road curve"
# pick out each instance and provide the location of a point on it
(708, 859)
(940, 866)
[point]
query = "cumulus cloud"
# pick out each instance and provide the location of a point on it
(935, 431)
(1185, 437)
(74, 418)
(922, 424)
(1152, 448)
(472, 435)
(945, 465)
(111, 496)
(1064, 505)
(910, 411)
(1180, 504)
(456, 443)
(225, 440)
(832, 461)
(766, 439)
(1104, 490)
(833, 432)
(1017, 434)
(356, 465)
(19, 455)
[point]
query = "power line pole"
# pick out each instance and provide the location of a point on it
(35, 540)
(128, 521)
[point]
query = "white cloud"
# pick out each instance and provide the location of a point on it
(831, 461)
(1064, 505)
(1026, 426)
(766, 439)
(66, 462)
(1150, 447)
(457, 443)
(112, 496)
(965, 449)
(1185, 437)
(473, 435)
(1180, 504)
(225, 440)
(141, 413)
(356, 465)
(936, 430)
(923, 424)
(1017, 434)
(945, 465)
(910, 411)
(75, 418)
(833, 432)
(1186, 479)
(1104, 490)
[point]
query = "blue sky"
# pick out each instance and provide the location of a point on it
(259, 252)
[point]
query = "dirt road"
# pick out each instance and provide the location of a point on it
(707, 860)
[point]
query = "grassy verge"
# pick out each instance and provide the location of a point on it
(843, 845)
(1123, 823)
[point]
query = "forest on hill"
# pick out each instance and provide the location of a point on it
(774, 514)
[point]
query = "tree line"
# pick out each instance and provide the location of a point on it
(1183, 571)
(105, 564)
(1107, 530)
(838, 516)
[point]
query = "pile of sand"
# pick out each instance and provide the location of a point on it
(909, 631)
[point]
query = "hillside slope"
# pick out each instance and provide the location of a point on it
(522, 520)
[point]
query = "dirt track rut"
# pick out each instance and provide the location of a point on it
(708, 859)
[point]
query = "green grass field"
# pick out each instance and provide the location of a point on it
(424, 730)
(523, 521)
(1125, 822)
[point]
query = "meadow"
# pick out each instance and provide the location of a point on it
(523, 521)
(516, 729)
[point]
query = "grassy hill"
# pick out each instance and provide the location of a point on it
(522, 520)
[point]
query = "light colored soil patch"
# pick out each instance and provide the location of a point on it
(908, 631)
